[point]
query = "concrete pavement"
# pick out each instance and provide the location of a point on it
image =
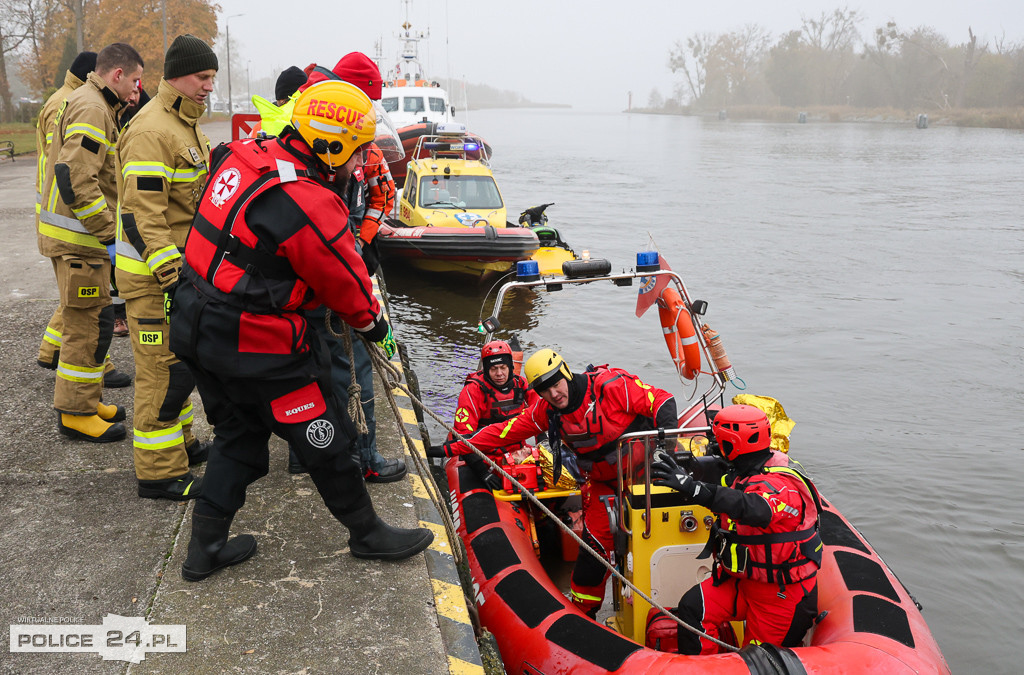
(77, 544)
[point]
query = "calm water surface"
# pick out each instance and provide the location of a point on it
(869, 276)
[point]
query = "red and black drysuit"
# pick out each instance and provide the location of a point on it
(767, 553)
(270, 239)
(481, 403)
(604, 403)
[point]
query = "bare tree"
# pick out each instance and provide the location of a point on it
(77, 9)
(734, 65)
(35, 17)
(12, 35)
(831, 38)
(692, 60)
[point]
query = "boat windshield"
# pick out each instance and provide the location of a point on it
(436, 104)
(459, 192)
(413, 104)
(389, 103)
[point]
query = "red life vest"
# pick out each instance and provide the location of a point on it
(269, 240)
(593, 428)
(224, 252)
(781, 554)
(491, 405)
(498, 406)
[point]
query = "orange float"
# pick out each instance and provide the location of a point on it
(680, 335)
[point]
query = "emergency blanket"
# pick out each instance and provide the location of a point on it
(781, 424)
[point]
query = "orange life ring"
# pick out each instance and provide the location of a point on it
(680, 335)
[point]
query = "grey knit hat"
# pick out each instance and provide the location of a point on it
(186, 55)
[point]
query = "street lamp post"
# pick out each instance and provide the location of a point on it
(227, 39)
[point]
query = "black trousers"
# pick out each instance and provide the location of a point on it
(245, 411)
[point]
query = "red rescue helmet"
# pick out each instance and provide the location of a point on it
(740, 430)
(495, 352)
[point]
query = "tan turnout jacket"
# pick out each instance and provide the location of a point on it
(80, 185)
(44, 130)
(162, 161)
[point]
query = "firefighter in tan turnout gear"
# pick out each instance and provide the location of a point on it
(162, 161)
(77, 232)
(49, 346)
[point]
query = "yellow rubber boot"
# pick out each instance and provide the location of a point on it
(90, 428)
(111, 413)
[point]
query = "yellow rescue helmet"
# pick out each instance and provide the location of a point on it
(544, 368)
(335, 118)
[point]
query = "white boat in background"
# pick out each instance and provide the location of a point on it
(408, 96)
(415, 104)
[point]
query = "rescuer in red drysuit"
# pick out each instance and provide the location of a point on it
(271, 239)
(490, 395)
(766, 545)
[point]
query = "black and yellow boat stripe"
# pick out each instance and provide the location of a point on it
(457, 633)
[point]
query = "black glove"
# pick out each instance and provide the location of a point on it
(371, 257)
(709, 468)
(665, 472)
(436, 451)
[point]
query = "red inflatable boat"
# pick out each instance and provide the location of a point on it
(869, 623)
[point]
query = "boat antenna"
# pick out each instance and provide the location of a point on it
(447, 52)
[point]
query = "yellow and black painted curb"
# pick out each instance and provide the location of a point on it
(461, 649)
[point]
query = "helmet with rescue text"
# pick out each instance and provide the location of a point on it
(335, 119)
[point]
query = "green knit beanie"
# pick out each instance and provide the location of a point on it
(186, 55)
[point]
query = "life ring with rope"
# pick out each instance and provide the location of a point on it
(680, 335)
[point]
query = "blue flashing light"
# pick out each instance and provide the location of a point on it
(527, 270)
(647, 261)
(646, 258)
(471, 147)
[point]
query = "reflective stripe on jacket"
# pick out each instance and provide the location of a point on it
(162, 161)
(80, 184)
(44, 131)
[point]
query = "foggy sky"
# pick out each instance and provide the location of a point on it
(588, 54)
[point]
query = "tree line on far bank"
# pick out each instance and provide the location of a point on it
(827, 62)
(44, 36)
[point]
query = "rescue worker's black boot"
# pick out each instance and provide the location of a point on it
(178, 489)
(209, 549)
(373, 538)
(386, 471)
(197, 452)
(115, 379)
